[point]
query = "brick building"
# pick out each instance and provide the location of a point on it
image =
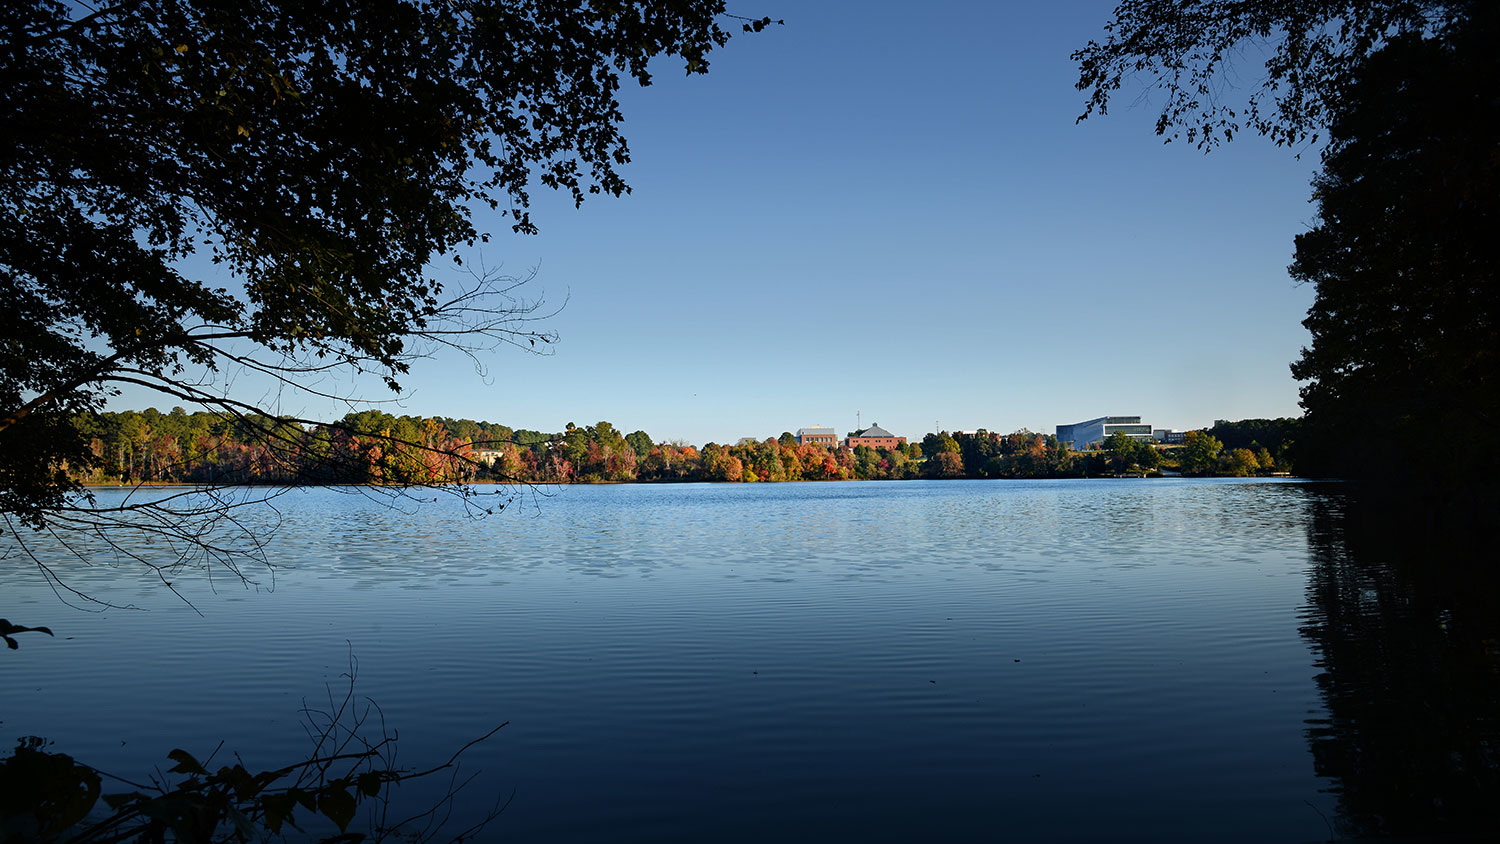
(874, 437)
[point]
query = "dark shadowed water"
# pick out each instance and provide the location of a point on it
(1063, 660)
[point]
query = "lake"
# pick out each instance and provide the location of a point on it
(1150, 660)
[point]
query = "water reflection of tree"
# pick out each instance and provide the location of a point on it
(1405, 629)
(351, 770)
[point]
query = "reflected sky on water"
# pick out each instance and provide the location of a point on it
(1056, 660)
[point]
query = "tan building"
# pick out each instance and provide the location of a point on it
(875, 437)
(821, 436)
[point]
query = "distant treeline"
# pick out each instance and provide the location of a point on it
(372, 447)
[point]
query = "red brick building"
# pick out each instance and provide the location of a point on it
(874, 437)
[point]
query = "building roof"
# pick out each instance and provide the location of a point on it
(874, 431)
(816, 431)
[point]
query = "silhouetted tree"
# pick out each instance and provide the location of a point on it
(1404, 257)
(1276, 436)
(324, 154)
(1404, 253)
(1402, 621)
(1187, 48)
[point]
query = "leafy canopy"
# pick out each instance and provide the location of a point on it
(1404, 256)
(1189, 49)
(324, 153)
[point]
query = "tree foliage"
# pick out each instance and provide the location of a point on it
(46, 796)
(323, 155)
(1125, 453)
(937, 443)
(1404, 255)
(1273, 434)
(1309, 49)
(375, 448)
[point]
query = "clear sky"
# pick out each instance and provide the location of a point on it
(887, 208)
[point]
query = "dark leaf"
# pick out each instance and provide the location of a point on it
(186, 764)
(338, 806)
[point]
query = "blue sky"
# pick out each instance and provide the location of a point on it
(888, 209)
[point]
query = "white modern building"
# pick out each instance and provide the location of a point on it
(1085, 435)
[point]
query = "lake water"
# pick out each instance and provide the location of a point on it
(1140, 660)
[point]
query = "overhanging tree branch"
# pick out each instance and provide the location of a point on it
(325, 156)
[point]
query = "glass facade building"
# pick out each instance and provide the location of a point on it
(1084, 435)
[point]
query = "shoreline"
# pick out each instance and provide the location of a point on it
(1281, 476)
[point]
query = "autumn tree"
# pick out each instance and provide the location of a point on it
(898, 464)
(944, 464)
(1264, 460)
(325, 155)
(1238, 463)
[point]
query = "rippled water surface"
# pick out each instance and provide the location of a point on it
(1060, 660)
